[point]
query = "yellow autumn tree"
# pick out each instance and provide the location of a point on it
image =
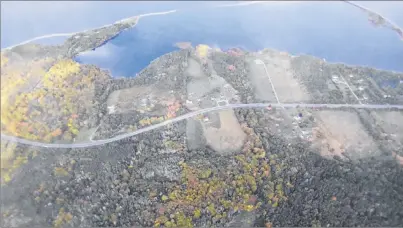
(58, 73)
(4, 60)
(202, 50)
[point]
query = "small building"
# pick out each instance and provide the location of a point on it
(231, 67)
(269, 108)
(111, 109)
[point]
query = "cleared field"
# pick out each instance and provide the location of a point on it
(140, 98)
(391, 126)
(227, 139)
(261, 82)
(341, 133)
(194, 69)
(287, 87)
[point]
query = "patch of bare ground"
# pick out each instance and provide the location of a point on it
(261, 82)
(391, 125)
(194, 69)
(183, 45)
(341, 133)
(391, 122)
(139, 98)
(288, 88)
(227, 139)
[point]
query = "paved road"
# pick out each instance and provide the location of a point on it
(192, 114)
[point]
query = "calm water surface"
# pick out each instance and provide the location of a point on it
(336, 32)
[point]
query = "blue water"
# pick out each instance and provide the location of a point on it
(334, 31)
(24, 20)
(390, 83)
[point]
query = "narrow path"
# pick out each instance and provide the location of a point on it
(271, 82)
(351, 90)
(192, 114)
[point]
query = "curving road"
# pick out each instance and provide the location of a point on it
(192, 114)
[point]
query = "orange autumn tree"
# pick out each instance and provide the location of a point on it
(57, 132)
(172, 109)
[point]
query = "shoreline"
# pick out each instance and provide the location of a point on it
(86, 30)
(137, 18)
(247, 3)
(388, 23)
(367, 10)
